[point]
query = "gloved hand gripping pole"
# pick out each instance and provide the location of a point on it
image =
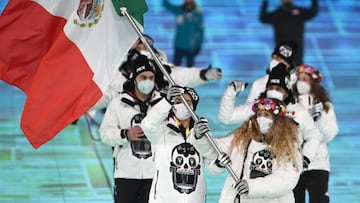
(171, 82)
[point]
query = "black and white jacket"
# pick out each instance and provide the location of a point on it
(133, 159)
(179, 168)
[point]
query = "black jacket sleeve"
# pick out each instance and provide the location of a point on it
(266, 17)
(308, 14)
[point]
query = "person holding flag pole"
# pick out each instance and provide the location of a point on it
(179, 167)
(171, 82)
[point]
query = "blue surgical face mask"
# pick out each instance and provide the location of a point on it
(145, 86)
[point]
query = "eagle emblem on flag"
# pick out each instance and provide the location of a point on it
(89, 12)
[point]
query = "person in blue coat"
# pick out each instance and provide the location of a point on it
(189, 31)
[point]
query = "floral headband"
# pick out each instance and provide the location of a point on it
(314, 73)
(269, 105)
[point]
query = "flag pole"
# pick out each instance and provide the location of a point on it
(171, 82)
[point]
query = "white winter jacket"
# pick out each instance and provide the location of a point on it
(133, 159)
(310, 134)
(179, 168)
(266, 184)
(328, 127)
(258, 87)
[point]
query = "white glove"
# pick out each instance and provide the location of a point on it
(316, 110)
(213, 73)
(173, 92)
(201, 127)
(223, 160)
(241, 187)
(238, 85)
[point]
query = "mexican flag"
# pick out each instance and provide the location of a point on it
(62, 55)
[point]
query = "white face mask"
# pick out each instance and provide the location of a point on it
(303, 87)
(272, 64)
(264, 124)
(273, 94)
(146, 53)
(181, 112)
(145, 86)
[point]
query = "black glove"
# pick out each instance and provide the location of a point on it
(306, 162)
(173, 92)
(223, 160)
(238, 86)
(162, 81)
(241, 187)
(133, 54)
(201, 127)
(126, 68)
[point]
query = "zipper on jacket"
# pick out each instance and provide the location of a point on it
(157, 178)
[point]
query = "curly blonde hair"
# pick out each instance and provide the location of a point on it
(282, 137)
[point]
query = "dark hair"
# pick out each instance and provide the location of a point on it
(319, 93)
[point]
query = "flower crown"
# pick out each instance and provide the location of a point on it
(313, 72)
(269, 105)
